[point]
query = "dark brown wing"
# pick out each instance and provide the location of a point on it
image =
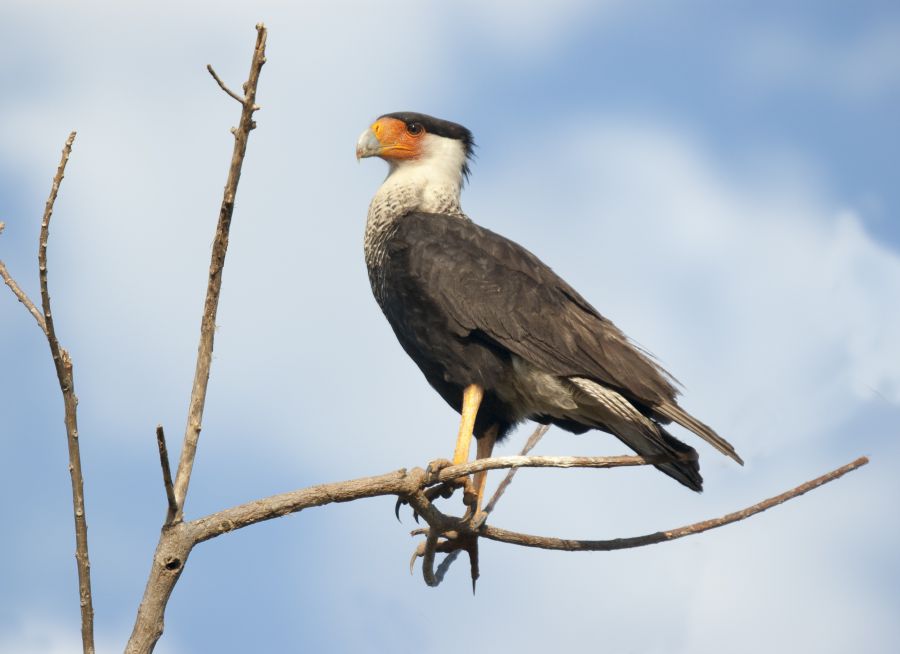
(486, 283)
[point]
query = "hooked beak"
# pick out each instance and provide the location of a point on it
(368, 145)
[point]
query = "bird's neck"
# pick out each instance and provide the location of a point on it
(419, 186)
(410, 188)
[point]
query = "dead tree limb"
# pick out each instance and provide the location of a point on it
(63, 363)
(457, 533)
(64, 373)
(166, 473)
(174, 546)
(214, 286)
(507, 480)
(545, 543)
(21, 295)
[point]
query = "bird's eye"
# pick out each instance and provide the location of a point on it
(414, 128)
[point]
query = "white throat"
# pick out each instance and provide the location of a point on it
(430, 183)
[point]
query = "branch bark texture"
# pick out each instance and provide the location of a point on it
(546, 543)
(214, 285)
(63, 364)
(64, 374)
(176, 539)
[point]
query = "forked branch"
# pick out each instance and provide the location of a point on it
(214, 285)
(64, 374)
(546, 543)
(174, 547)
(21, 295)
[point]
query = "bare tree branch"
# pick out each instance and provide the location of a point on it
(399, 482)
(166, 473)
(501, 462)
(22, 296)
(529, 445)
(546, 543)
(410, 484)
(63, 363)
(214, 286)
(447, 534)
(222, 84)
(175, 542)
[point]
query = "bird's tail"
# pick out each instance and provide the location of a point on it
(684, 468)
(611, 412)
(672, 411)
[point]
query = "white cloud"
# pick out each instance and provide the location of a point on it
(41, 634)
(41, 638)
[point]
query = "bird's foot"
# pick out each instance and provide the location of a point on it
(444, 489)
(470, 493)
(434, 468)
(450, 542)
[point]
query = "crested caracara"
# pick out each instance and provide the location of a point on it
(498, 334)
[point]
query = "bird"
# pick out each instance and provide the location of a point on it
(499, 335)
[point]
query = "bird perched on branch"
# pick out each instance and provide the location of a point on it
(498, 334)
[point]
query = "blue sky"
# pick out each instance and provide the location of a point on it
(719, 180)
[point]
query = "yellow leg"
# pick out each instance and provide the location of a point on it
(471, 401)
(485, 447)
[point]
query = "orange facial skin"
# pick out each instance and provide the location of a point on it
(397, 141)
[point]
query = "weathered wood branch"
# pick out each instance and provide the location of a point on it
(64, 374)
(217, 263)
(21, 295)
(175, 541)
(63, 364)
(222, 84)
(502, 462)
(532, 441)
(410, 484)
(167, 474)
(546, 543)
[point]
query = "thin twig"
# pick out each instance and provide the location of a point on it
(507, 480)
(222, 84)
(214, 285)
(63, 364)
(166, 473)
(22, 297)
(543, 542)
(496, 463)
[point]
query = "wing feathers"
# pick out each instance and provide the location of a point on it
(485, 283)
(488, 283)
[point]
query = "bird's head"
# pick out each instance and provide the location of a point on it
(407, 139)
